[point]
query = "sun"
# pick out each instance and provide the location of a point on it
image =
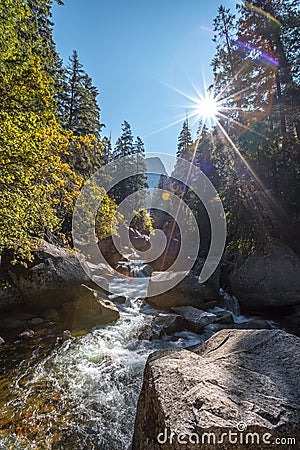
(207, 108)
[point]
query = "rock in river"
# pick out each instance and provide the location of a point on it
(161, 325)
(195, 319)
(243, 382)
(188, 292)
(89, 309)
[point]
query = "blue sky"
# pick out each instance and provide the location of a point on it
(134, 50)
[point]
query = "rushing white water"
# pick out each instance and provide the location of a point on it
(97, 378)
(82, 394)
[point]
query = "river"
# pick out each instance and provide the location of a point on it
(81, 393)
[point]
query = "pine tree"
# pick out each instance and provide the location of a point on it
(141, 221)
(140, 180)
(229, 67)
(202, 131)
(40, 28)
(107, 150)
(124, 148)
(185, 141)
(272, 28)
(224, 62)
(37, 38)
(139, 157)
(81, 113)
(255, 66)
(203, 157)
(138, 147)
(134, 163)
(124, 145)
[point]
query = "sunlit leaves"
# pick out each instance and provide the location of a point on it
(42, 166)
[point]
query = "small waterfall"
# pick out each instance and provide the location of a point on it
(134, 268)
(231, 303)
(135, 282)
(140, 271)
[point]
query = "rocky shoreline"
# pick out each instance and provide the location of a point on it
(55, 287)
(246, 372)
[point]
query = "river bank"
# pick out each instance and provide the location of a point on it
(78, 385)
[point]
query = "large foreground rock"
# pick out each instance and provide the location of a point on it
(267, 279)
(51, 279)
(236, 379)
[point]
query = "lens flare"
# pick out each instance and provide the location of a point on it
(214, 107)
(263, 12)
(207, 107)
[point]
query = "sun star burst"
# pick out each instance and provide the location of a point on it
(207, 108)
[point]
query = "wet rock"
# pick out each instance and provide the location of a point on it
(146, 270)
(174, 325)
(135, 241)
(188, 292)
(292, 323)
(123, 267)
(248, 377)
(23, 315)
(100, 273)
(225, 318)
(267, 278)
(27, 334)
(214, 327)
(212, 285)
(140, 242)
(36, 321)
(150, 332)
(137, 271)
(2, 341)
(51, 279)
(66, 335)
(162, 325)
(90, 308)
(194, 318)
(167, 258)
(118, 299)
